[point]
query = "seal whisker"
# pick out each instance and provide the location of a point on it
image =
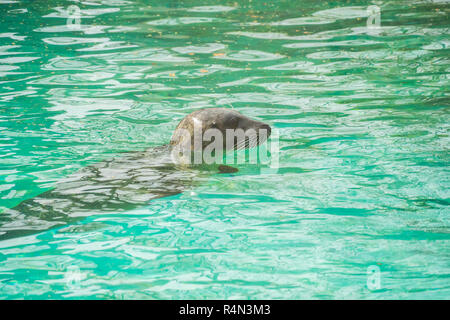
(245, 144)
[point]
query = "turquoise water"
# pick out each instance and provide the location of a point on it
(358, 208)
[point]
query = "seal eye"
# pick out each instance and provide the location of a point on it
(213, 124)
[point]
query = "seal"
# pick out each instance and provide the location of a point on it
(206, 134)
(134, 179)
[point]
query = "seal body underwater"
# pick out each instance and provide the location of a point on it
(132, 179)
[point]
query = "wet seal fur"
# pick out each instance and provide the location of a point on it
(132, 179)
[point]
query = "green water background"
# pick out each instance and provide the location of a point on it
(363, 118)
